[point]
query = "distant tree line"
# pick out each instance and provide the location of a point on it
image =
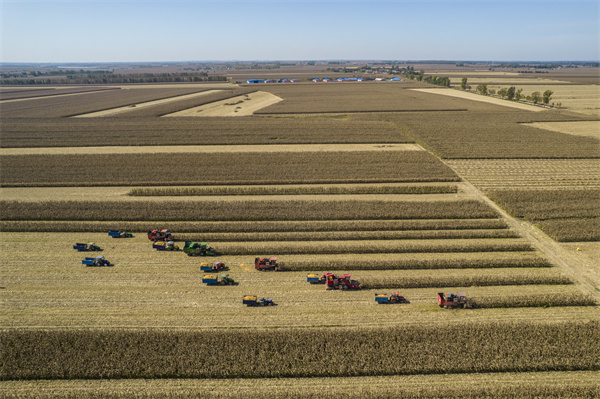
(511, 93)
(438, 80)
(110, 78)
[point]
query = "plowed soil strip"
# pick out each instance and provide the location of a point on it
(477, 97)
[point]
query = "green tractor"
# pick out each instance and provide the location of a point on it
(198, 249)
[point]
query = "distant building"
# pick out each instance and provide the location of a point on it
(255, 81)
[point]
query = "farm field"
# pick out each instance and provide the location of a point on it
(398, 193)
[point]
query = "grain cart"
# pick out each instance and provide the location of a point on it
(252, 300)
(165, 246)
(214, 267)
(334, 282)
(159, 235)
(265, 264)
(86, 247)
(97, 261)
(213, 279)
(198, 249)
(119, 234)
(315, 279)
(453, 301)
(394, 298)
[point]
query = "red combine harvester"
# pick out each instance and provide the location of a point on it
(334, 282)
(453, 301)
(265, 264)
(162, 235)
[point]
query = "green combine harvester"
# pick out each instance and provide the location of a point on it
(198, 249)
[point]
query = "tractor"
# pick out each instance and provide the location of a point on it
(119, 234)
(162, 235)
(314, 279)
(212, 279)
(97, 261)
(453, 301)
(394, 298)
(341, 282)
(252, 300)
(86, 247)
(165, 246)
(265, 264)
(198, 249)
(214, 267)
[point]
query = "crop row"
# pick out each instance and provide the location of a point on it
(256, 226)
(314, 352)
(223, 168)
(481, 278)
(415, 261)
(572, 230)
(281, 210)
(135, 131)
(567, 384)
(44, 92)
(372, 247)
(476, 135)
(55, 107)
(300, 190)
(352, 235)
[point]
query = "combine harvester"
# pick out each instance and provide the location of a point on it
(159, 235)
(212, 279)
(453, 301)
(86, 247)
(252, 300)
(394, 298)
(198, 249)
(97, 261)
(334, 282)
(214, 267)
(165, 246)
(119, 234)
(264, 264)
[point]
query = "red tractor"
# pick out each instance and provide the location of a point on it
(265, 264)
(341, 282)
(162, 235)
(453, 301)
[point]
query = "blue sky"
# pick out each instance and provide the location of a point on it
(137, 31)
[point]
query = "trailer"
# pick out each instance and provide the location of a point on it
(252, 300)
(97, 261)
(394, 298)
(165, 246)
(212, 279)
(212, 267)
(86, 247)
(119, 234)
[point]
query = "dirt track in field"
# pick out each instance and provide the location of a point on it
(210, 149)
(481, 98)
(243, 105)
(119, 110)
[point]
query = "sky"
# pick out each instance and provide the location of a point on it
(161, 31)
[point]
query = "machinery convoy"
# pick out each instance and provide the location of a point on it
(162, 241)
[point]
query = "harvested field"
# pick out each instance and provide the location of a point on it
(72, 105)
(140, 131)
(477, 97)
(68, 354)
(236, 106)
(571, 384)
(249, 210)
(493, 135)
(583, 99)
(339, 98)
(225, 168)
(113, 111)
(577, 128)
(551, 174)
